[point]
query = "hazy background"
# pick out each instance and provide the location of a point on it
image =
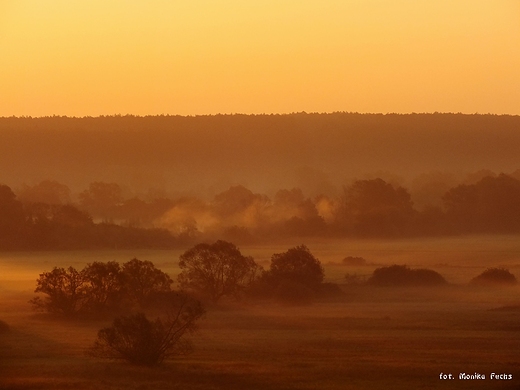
(319, 153)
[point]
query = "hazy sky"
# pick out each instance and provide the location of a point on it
(98, 57)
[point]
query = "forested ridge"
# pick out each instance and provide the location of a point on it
(264, 152)
(162, 181)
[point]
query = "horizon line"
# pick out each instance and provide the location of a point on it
(119, 115)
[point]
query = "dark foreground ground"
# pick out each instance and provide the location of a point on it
(372, 339)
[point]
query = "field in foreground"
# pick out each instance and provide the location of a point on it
(374, 338)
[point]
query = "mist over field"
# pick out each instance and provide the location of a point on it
(334, 251)
(259, 195)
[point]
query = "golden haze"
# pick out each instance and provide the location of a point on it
(204, 57)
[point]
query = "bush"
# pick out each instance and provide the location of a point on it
(298, 265)
(495, 276)
(402, 275)
(295, 277)
(141, 341)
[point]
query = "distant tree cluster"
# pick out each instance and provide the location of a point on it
(402, 276)
(366, 208)
(38, 225)
(101, 288)
(437, 203)
(214, 271)
(491, 205)
(127, 291)
(42, 216)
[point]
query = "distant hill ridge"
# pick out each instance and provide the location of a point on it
(186, 152)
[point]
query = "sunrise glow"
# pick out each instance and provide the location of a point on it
(204, 57)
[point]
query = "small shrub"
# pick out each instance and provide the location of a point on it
(495, 276)
(141, 341)
(402, 275)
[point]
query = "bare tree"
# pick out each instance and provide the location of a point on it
(216, 270)
(141, 341)
(64, 289)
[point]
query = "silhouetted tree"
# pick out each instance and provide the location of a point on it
(69, 215)
(47, 191)
(56, 227)
(494, 276)
(295, 277)
(402, 275)
(489, 206)
(65, 290)
(354, 261)
(11, 217)
(142, 280)
(100, 199)
(141, 341)
(375, 208)
(103, 287)
(298, 265)
(235, 200)
(216, 270)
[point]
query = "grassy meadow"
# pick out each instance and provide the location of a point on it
(373, 338)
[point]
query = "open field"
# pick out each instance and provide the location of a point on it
(374, 338)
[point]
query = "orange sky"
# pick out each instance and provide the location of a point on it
(98, 57)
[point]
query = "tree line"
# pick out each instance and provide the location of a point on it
(44, 226)
(209, 272)
(136, 290)
(44, 217)
(178, 154)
